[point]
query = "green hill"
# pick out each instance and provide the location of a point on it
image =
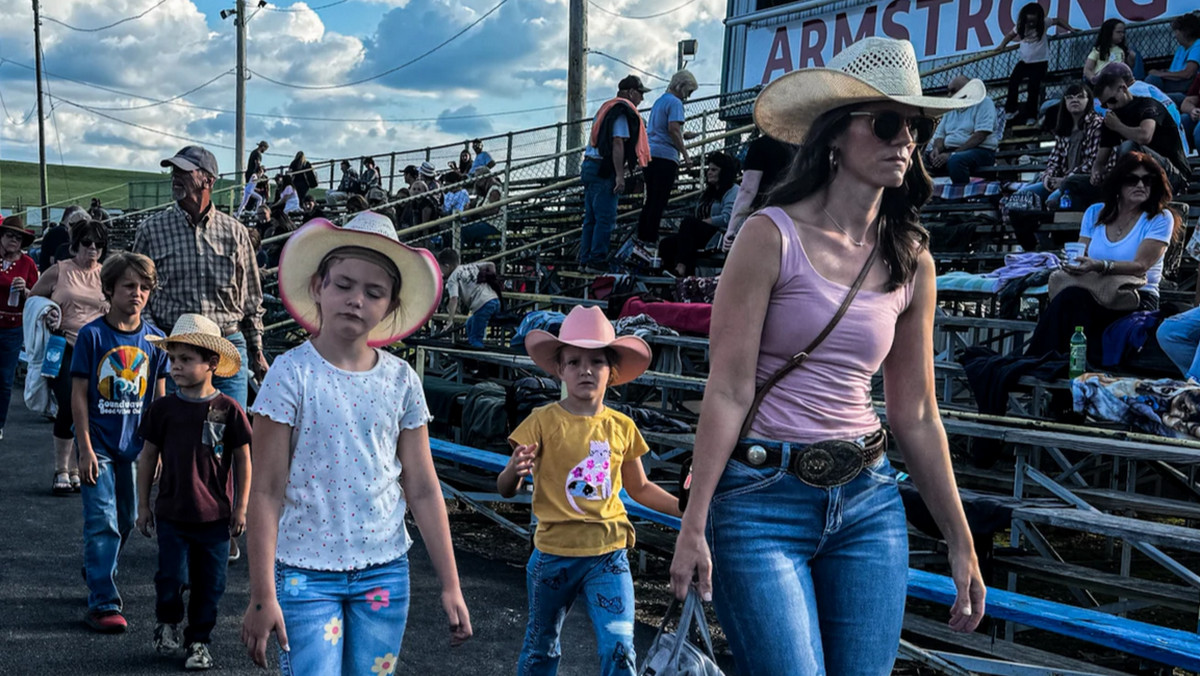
(19, 184)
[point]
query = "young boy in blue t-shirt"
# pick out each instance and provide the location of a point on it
(115, 374)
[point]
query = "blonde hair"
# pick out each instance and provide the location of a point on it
(681, 81)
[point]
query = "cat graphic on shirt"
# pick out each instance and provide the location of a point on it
(590, 479)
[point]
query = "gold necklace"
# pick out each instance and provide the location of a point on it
(837, 225)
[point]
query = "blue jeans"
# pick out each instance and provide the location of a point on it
(1192, 130)
(1176, 89)
(10, 351)
(109, 513)
(1040, 188)
(344, 622)
(202, 549)
(236, 386)
(554, 583)
(599, 213)
(963, 162)
(478, 321)
(809, 580)
(1179, 337)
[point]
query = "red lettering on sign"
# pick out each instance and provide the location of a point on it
(934, 9)
(892, 28)
(1006, 16)
(841, 28)
(812, 42)
(1093, 12)
(780, 56)
(1141, 11)
(977, 22)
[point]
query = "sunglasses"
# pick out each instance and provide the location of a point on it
(85, 243)
(1134, 180)
(887, 124)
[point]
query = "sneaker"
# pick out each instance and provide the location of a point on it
(235, 552)
(198, 657)
(106, 621)
(166, 638)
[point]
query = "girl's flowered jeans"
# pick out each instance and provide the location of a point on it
(344, 622)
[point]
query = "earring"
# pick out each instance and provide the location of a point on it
(833, 162)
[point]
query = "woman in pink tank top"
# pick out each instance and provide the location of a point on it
(795, 527)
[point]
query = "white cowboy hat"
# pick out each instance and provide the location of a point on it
(420, 277)
(872, 69)
(588, 328)
(200, 331)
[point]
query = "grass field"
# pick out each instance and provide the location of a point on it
(19, 185)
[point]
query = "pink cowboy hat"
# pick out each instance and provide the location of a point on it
(588, 328)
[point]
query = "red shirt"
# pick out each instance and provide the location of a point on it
(25, 268)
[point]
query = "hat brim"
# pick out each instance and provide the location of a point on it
(787, 108)
(181, 162)
(27, 236)
(633, 353)
(230, 361)
(420, 288)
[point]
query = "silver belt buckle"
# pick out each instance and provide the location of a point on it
(756, 455)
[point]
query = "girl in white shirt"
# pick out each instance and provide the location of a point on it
(341, 449)
(1033, 44)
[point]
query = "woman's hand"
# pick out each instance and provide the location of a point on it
(969, 602)
(52, 319)
(460, 620)
(260, 620)
(692, 564)
(1083, 265)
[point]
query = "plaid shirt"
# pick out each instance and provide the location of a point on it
(1056, 164)
(208, 269)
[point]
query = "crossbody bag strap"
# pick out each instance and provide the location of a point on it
(800, 357)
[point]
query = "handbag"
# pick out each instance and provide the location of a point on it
(674, 654)
(685, 482)
(1115, 292)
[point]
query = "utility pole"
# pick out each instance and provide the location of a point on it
(37, 62)
(240, 145)
(576, 81)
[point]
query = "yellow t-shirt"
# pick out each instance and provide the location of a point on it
(1115, 55)
(577, 479)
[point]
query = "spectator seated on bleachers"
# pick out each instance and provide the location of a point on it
(369, 178)
(966, 139)
(1179, 338)
(1149, 91)
(1133, 124)
(1110, 47)
(455, 199)
(1190, 113)
(288, 200)
(679, 252)
(487, 190)
(1176, 79)
(311, 209)
(349, 185)
(1125, 238)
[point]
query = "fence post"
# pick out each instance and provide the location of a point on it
(331, 176)
(392, 176)
(508, 162)
(558, 150)
(428, 154)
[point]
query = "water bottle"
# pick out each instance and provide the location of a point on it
(14, 295)
(1078, 353)
(52, 363)
(1064, 202)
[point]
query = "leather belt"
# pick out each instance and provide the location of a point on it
(227, 331)
(822, 464)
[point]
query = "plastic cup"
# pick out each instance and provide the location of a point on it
(1074, 250)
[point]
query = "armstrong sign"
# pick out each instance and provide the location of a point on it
(937, 28)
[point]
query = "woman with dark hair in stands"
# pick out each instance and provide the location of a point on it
(74, 285)
(712, 216)
(1110, 47)
(1126, 234)
(1176, 79)
(1033, 38)
(794, 522)
(303, 177)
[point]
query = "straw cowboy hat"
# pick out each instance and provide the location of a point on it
(588, 328)
(421, 280)
(14, 225)
(872, 69)
(200, 331)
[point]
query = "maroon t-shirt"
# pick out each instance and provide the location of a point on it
(196, 441)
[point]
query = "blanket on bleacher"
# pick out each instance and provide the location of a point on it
(693, 318)
(944, 189)
(546, 320)
(1170, 408)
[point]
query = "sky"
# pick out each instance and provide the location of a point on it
(106, 86)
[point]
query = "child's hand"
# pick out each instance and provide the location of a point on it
(237, 523)
(145, 523)
(522, 459)
(89, 467)
(260, 620)
(460, 620)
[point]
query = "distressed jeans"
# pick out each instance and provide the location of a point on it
(554, 584)
(809, 580)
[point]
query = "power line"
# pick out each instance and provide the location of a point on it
(640, 70)
(389, 71)
(111, 25)
(123, 93)
(149, 129)
(9, 116)
(639, 18)
(293, 9)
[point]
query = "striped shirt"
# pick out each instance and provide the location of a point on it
(208, 268)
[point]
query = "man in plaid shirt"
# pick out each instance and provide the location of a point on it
(205, 265)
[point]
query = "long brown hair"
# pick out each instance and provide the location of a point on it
(903, 237)
(1160, 189)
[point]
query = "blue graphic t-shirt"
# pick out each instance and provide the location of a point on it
(122, 369)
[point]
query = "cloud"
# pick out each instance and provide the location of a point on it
(452, 122)
(542, 76)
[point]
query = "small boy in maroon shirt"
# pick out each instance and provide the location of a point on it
(201, 436)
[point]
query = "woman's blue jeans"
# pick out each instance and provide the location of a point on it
(554, 583)
(343, 623)
(809, 580)
(10, 351)
(1179, 337)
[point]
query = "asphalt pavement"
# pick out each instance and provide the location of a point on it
(44, 598)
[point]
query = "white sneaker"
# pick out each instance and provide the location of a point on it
(198, 657)
(166, 638)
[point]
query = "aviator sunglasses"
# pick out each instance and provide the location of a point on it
(886, 125)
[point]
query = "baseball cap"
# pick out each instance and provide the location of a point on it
(190, 158)
(632, 82)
